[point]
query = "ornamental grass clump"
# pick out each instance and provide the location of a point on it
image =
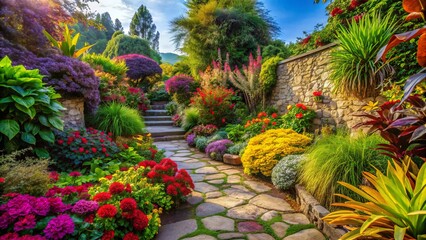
(265, 150)
(218, 148)
(336, 158)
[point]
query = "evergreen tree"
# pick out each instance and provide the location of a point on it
(118, 26)
(106, 21)
(143, 26)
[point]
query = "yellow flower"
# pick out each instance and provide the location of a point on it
(289, 107)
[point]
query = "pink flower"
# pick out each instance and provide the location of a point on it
(75, 174)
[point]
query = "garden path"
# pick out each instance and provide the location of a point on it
(226, 204)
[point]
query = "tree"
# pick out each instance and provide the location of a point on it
(275, 48)
(123, 44)
(236, 27)
(108, 24)
(143, 26)
(118, 26)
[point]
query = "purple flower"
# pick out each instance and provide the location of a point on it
(180, 84)
(41, 206)
(30, 237)
(5, 220)
(190, 139)
(27, 222)
(57, 206)
(84, 206)
(218, 148)
(58, 227)
(140, 66)
(19, 206)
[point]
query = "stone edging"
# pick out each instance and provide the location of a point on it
(315, 212)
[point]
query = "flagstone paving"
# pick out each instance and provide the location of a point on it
(226, 204)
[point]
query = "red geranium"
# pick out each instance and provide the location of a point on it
(274, 115)
(116, 188)
(306, 40)
(317, 93)
(171, 190)
(299, 115)
(90, 218)
(108, 235)
(128, 205)
(54, 176)
(109, 177)
(60, 141)
(2, 180)
(147, 163)
(140, 220)
(128, 188)
(107, 211)
(300, 105)
(336, 11)
(357, 17)
(102, 196)
(130, 236)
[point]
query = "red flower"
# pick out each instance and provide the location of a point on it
(104, 150)
(354, 4)
(75, 174)
(171, 190)
(116, 188)
(107, 211)
(81, 149)
(84, 140)
(151, 174)
(109, 177)
(262, 114)
(124, 169)
(108, 235)
(317, 93)
(336, 11)
(274, 123)
(300, 105)
(1, 180)
(306, 40)
(130, 236)
(223, 120)
(128, 205)
(125, 146)
(147, 163)
(153, 152)
(128, 188)
(60, 141)
(274, 115)
(54, 176)
(70, 139)
(90, 218)
(357, 17)
(102, 196)
(140, 220)
(94, 150)
(299, 115)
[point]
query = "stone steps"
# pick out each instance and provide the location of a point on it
(157, 118)
(158, 107)
(155, 113)
(159, 123)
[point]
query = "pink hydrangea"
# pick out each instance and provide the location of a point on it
(59, 227)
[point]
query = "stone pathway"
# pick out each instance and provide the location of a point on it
(228, 205)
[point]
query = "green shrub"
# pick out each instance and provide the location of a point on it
(29, 111)
(336, 158)
(268, 74)
(235, 132)
(119, 120)
(159, 95)
(354, 69)
(172, 108)
(219, 135)
(191, 118)
(123, 44)
(23, 174)
(237, 149)
(97, 61)
(201, 143)
(284, 174)
(299, 118)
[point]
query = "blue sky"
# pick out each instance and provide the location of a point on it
(292, 16)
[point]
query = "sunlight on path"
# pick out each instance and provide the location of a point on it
(226, 205)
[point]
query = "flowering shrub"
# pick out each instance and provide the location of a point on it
(284, 174)
(72, 148)
(264, 150)
(218, 148)
(261, 123)
(140, 68)
(204, 130)
(336, 11)
(190, 139)
(299, 118)
(177, 120)
(215, 105)
(180, 87)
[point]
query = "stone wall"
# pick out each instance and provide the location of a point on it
(300, 76)
(73, 116)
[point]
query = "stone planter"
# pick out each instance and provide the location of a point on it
(73, 116)
(232, 159)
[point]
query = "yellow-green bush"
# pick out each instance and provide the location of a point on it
(265, 150)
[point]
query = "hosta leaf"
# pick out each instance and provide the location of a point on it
(29, 111)
(41, 153)
(6, 100)
(56, 122)
(25, 101)
(28, 138)
(43, 120)
(9, 128)
(28, 127)
(47, 135)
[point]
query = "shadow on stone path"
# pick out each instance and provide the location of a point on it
(227, 205)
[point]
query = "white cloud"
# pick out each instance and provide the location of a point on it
(162, 11)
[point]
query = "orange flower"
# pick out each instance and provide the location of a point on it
(262, 114)
(266, 121)
(274, 115)
(274, 123)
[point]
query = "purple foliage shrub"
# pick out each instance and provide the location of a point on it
(180, 84)
(217, 149)
(140, 67)
(190, 139)
(67, 75)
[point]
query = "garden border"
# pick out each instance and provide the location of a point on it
(315, 212)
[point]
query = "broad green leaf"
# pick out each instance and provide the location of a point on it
(5, 62)
(43, 98)
(28, 138)
(28, 127)
(6, 100)
(41, 153)
(56, 106)
(9, 128)
(56, 122)
(29, 111)
(35, 130)
(26, 101)
(43, 120)
(47, 135)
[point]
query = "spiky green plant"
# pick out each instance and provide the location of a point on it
(191, 118)
(339, 157)
(354, 70)
(119, 120)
